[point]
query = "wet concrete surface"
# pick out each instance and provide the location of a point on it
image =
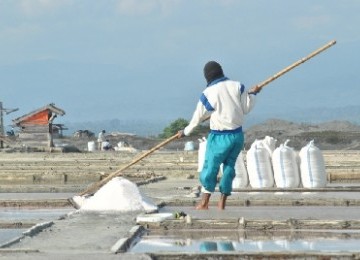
(78, 236)
(271, 213)
(93, 235)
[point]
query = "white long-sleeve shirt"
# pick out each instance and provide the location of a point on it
(226, 101)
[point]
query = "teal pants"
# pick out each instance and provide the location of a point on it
(221, 149)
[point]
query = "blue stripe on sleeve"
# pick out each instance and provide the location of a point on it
(242, 88)
(206, 103)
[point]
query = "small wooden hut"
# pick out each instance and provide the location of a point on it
(37, 127)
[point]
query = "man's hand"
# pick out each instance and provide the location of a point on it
(180, 134)
(254, 90)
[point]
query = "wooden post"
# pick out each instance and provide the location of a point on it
(2, 132)
(50, 137)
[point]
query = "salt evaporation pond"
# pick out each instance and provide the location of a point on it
(20, 215)
(35, 215)
(8, 234)
(118, 195)
(343, 242)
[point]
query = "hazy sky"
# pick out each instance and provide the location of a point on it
(143, 59)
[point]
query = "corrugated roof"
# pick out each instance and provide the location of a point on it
(51, 107)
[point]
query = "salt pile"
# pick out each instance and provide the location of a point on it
(119, 194)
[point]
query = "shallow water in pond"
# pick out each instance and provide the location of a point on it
(28, 214)
(332, 241)
(8, 234)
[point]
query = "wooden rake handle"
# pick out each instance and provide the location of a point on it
(93, 188)
(295, 64)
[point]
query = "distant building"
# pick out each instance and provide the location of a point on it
(37, 128)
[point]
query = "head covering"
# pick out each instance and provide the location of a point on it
(212, 71)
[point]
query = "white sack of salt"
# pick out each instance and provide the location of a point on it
(259, 166)
(285, 167)
(312, 166)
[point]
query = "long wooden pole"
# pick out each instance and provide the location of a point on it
(295, 64)
(93, 188)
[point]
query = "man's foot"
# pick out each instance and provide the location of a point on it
(222, 202)
(204, 203)
(201, 206)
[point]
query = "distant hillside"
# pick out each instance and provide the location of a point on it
(314, 115)
(295, 128)
(292, 119)
(139, 127)
(333, 135)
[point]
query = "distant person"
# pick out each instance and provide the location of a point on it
(10, 132)
(101, 139)
(106, 146)
(226, 102)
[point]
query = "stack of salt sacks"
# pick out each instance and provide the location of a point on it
(241, 179)
(267, 166)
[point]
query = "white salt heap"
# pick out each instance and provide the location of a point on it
(119, 194)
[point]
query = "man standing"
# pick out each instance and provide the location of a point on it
(101, 139)
(226, 102)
